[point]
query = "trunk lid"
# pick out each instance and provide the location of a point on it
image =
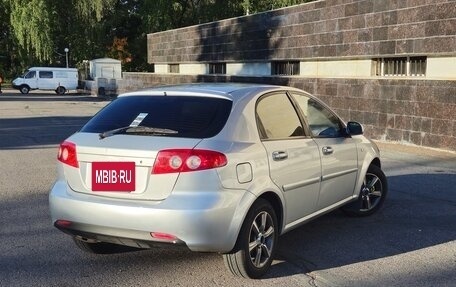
(142, 150)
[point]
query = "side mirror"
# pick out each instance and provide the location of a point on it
(354, 128)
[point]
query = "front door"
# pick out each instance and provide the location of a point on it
(31, 79)
(337, 150)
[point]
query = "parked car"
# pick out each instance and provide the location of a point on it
(59, 80)
(221, 168)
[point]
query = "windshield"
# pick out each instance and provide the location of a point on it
(192, 117)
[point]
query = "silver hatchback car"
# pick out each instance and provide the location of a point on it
(221, 168)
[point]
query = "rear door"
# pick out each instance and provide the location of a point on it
(337, 150)
(293, 156)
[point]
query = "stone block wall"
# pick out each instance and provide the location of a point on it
(418, 112)
(321, 29)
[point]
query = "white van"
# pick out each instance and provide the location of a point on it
(47, 78)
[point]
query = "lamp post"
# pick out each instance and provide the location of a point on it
(66, 56)
(86, 63)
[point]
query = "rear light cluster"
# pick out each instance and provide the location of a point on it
(185, 160)
(67, 154)
(167, 161)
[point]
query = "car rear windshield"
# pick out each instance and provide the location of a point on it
(193, 117)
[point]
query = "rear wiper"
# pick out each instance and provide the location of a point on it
(137, 130)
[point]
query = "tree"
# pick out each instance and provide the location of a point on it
(30, 21)
(40, 27)
(256, 6)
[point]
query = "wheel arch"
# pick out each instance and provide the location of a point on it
(368, 160)
(24, 88)
(61, 89)
(277, 205)
(376, 162)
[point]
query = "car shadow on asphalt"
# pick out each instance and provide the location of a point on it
(419, 212)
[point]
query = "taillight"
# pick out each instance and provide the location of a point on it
(67, 154)
(185, 160)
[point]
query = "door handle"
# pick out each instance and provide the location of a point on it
(279, 155)
(327, 150)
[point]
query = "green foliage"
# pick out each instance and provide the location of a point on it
(256, 6)
(30, 21)
(90, 8)
(36, 32)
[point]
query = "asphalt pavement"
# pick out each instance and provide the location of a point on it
(410, 242)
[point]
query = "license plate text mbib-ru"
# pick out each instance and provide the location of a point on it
(113, 176)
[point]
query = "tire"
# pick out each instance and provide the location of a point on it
(60, 90)
(24, 89)
(260, 231)
(98, 247)
(372, 195)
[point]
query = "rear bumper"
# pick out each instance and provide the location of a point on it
(203, 221)
(92, 233)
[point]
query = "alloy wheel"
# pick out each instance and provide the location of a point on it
(371, 192)
(261, 239)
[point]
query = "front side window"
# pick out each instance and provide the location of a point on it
(322, 122)
(30, 75)
(277, 118)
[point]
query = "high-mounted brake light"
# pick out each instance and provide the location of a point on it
(185, 160)
(67, 154)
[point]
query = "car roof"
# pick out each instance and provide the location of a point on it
(52, 69)
(220, 90)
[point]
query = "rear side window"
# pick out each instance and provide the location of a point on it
(277, 118)
(192, 117)
(45, 74)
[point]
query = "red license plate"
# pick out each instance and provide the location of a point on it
(113, 176)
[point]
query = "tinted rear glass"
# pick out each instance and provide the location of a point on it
(192, 117)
